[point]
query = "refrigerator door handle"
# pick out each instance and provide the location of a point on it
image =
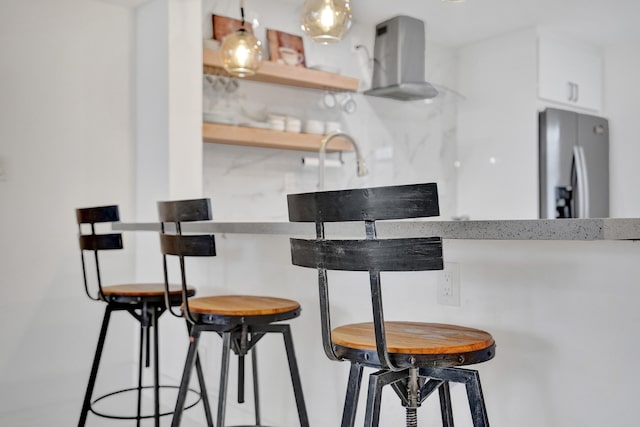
(585, 183)
(582, 190)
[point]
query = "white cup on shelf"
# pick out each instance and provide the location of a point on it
(277, 122)
(331, 126)
(293, 124)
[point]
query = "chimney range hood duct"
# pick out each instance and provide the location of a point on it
(398, 68)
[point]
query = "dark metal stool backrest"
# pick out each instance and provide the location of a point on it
(372, 254)
(96, 242)
(172, 214)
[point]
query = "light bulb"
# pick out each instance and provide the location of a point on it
(326, 18)
(326, 21)
(241, 53)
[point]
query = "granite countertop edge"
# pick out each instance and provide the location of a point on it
(526, 229)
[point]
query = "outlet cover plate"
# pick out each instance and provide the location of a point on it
(449, 285)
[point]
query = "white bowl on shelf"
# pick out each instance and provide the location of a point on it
(276, 121)
(315, 127)
(292, 124)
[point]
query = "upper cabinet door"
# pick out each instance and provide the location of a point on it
(569, 72)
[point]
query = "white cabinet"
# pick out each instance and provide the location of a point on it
(569, 72)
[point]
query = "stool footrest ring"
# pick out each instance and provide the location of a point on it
(142, 417)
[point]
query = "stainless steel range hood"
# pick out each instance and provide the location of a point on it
(399, 60)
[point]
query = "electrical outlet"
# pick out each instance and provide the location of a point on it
(449, 285)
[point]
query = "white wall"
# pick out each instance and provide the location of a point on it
(66, 141)
(622, 106)
(497, 128)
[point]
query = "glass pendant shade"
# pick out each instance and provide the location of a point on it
(241, 53)
(326, 21)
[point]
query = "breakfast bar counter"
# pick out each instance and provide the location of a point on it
(559, 296)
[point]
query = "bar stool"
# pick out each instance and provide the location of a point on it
(241, 320)
(415, 358)
(144, 301)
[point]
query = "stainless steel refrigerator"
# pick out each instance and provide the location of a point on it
(574, 165)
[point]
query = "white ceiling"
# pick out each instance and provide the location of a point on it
(601, 21)
(127, 3)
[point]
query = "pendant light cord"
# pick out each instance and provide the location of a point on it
(242, 12)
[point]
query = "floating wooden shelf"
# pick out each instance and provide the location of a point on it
(272, 72)
(267, 138)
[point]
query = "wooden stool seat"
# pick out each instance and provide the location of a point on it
(414, 338)
(142, 290)
(242, 305)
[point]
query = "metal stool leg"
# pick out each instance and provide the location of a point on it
(240, 378)
(285, 330)
(445, 404)
(256, 391)
(194, 337)
(144, 337)
(203, 392)
(156, 367)
(476, 400)
(351, 400)
(224, 374)
(471, 380)
(372, 415)
(377, 381)
(203, 388)
(86, 405)
(295, 375)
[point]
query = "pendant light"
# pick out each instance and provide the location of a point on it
(241, 51)
(326, 21)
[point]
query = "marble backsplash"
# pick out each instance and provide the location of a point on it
(401, 142)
